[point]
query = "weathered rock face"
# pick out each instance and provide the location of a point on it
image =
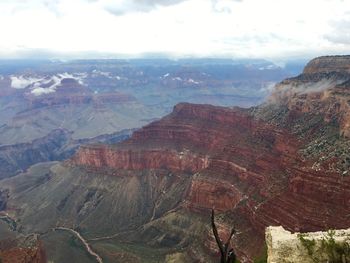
(107, 157)
(323, 89)
(312, 201)
(199, 128)
(286, 247)
(328, 64)
(315, 107)
(206, 194)
(184, 140)
(22, 250)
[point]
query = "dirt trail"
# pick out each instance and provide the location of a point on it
(86, 244)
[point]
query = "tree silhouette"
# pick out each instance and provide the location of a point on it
(226, 252)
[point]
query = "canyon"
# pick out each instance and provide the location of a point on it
(57, 145)
(49, 108)
(284, 162)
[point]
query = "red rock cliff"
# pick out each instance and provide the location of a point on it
(283, 163)
(107, 157)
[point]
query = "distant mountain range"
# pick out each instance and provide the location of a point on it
(91, 100)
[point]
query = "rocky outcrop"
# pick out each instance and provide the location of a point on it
(206, 194)
(328, 64)
(323, 89)
(312, 201)
(105, 157)
(26, 249)
(330, 100)
(286, 247)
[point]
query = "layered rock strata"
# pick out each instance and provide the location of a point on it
(285, 163)
(249, 163)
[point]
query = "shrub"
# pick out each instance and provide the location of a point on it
(330, 250)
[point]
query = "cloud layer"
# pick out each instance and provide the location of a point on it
(126, 6)
(235, 28)
(340, 30)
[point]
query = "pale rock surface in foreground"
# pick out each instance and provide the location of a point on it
(286, 247)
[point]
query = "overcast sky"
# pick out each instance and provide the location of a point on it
(215, 28)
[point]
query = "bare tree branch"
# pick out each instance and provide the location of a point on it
(216, 235)
(227, 256)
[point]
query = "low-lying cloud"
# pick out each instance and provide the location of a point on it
(127, 6)
(283, 91)
(22, 82)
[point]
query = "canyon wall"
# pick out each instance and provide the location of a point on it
(285, 163)
(328, 64)
(247, 162)
(106, 157)
(56, 146)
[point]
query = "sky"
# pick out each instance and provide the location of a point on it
(174, 28)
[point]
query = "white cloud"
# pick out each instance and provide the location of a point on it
(44, 85)
(120, 7)
(340, 32)
(247, 28)
(22, 82)
(41, 91)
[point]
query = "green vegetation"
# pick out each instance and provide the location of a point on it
(325, 142)
(113, 251)
(10, 222)
(309, 244)
(74, 242)
(336, 251)
(64, 247)
(263, 257)
(329, 250)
